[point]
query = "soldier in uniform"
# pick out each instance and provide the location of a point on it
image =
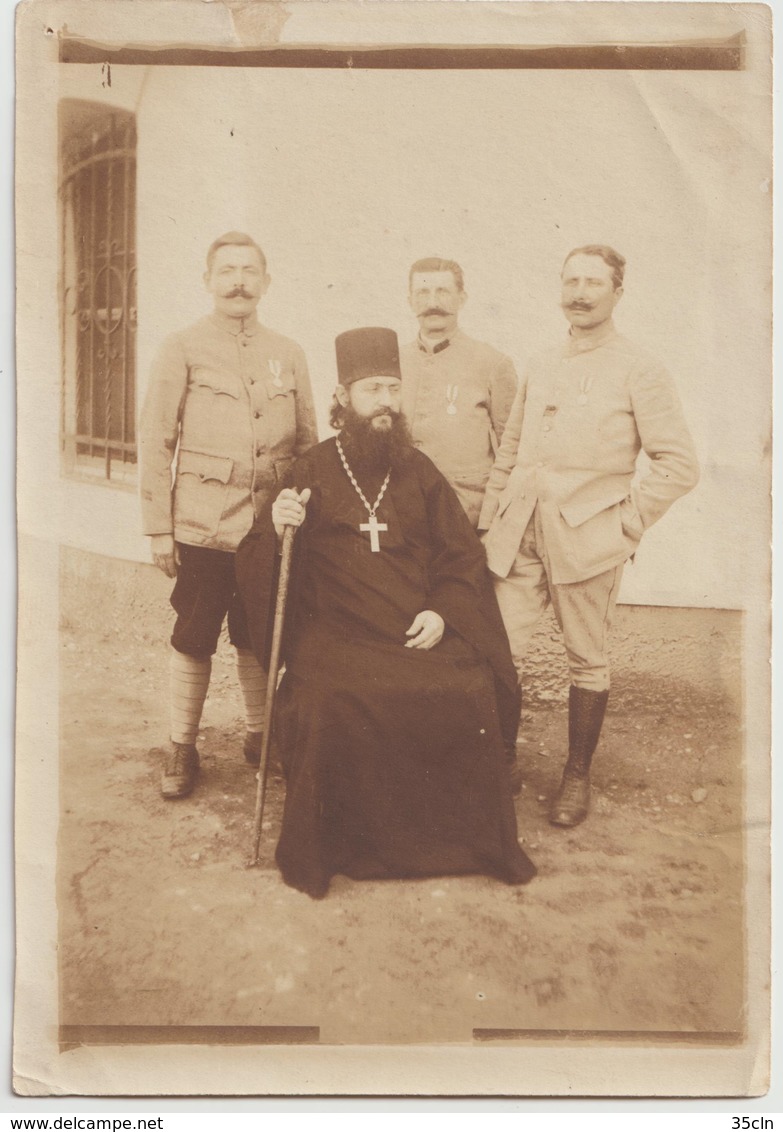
(560, 510)
(456, 392)
(228, 409)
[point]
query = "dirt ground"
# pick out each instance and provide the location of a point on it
(633, 924)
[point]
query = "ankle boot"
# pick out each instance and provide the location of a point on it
(586, 710)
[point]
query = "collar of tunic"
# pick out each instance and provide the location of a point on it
(438, 347)
(597, 337)
(236, 326)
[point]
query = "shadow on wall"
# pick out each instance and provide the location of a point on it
(661, 651)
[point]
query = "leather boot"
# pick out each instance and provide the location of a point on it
(179, 771)
(586, 710)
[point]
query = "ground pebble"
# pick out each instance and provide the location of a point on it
(699, 794)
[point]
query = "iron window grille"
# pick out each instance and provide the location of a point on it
(98, 290)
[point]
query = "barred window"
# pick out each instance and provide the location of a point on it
(98, 289)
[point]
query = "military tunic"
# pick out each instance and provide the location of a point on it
(231, 400)
(229, 408)
(456, 398)
(561, 513)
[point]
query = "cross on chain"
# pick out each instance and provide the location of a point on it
(374, 527)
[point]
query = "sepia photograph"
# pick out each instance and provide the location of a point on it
(394, 463)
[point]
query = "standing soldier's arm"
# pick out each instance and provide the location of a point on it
(665, 438)
(306, 429)
(502, 390)
(159, 433)
(505, 459)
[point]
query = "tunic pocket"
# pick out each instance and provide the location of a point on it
(200, 492)
(278, 387)
(281, 412)
(214, 381)
(595, 540)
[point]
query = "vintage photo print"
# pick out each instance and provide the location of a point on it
(554, 219)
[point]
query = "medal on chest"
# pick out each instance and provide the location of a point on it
(585, 385)
(372, 525)
(451, 399)
(275, 368)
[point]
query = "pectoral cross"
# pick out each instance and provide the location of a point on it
(373, 527)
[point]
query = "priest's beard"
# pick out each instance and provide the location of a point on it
(371, 448)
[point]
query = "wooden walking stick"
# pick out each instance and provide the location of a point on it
(271, 685)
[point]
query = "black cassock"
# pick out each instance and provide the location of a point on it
(393, 756)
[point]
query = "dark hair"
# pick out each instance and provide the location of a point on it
(610, 257)
(435, 263)
(233, 239)
(336, 413)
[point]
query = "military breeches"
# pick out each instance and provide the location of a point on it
(205, 593)
(584, 610)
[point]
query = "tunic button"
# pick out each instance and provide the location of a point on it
(259, 451)
(256, 414)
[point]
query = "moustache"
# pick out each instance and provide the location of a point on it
(579, 307)
(237, 293)
(435, 310)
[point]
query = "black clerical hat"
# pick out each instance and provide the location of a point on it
(371, 351)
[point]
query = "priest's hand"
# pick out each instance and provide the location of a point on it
(288, 510)
(165, 554)
(426, 630)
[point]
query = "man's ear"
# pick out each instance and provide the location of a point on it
(463, 298)
(618, 294)
(342, 395)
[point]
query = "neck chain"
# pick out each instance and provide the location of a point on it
(370, 509)
(373, 526)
